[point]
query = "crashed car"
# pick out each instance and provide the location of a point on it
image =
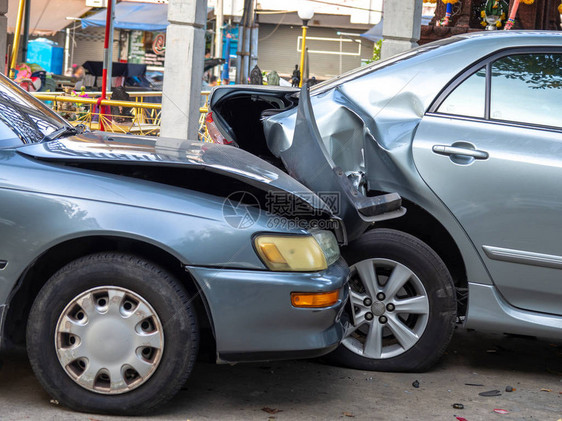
(117, 253)
(467, 131)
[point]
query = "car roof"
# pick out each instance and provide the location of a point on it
(473, 45)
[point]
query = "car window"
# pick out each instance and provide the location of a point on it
(8, 138)
(527, 88)
(468, 99)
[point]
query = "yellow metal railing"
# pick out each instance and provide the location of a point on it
(135, 116)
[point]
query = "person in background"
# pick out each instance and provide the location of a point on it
(209, 73)
(78, 76)
(296, 78)
(213, 81)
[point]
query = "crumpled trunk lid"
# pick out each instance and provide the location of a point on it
(308, 161)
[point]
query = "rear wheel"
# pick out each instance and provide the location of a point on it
(112, 333)
(404, 304)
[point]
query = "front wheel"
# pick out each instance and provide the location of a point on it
(404, 304)
(112, 333)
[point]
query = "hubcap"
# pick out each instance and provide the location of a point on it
(400, 307)
(109, 340)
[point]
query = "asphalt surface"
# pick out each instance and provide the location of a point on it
(309, 390)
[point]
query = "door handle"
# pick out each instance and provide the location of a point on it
(455, 150)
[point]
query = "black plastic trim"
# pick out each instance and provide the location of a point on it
(498, 122)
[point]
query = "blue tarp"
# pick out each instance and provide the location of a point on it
(134, 16)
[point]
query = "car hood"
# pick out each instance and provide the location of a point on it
(155, 151)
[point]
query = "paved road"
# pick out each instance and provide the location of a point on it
(307, 390)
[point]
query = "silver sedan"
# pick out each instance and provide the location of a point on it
(468, 131)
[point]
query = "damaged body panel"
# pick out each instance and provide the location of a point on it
(159, 152)
(323, 175)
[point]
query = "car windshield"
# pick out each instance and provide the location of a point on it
(24, 119)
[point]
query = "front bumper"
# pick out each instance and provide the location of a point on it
(253, 317)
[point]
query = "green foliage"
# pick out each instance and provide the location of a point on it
(376, 51)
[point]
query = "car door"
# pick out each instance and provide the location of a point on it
(490, 147)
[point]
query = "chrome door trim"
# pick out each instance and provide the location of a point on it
(523, 257)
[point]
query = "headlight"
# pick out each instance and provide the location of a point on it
(298, 253)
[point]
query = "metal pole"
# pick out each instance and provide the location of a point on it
(110, 46)
(25, 31)
(254, 45)
(239, 54)
(66, 50)
(246, 56)
(107, 58)
(16, 43)
(218, 32)
(303, 45)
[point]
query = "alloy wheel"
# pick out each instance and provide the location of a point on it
(390, 309)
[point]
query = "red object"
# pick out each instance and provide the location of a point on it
(105, 50)
(100, 112)
(105, 54)
(461, 418)
(501, 411)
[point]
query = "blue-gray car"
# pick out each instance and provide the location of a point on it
(468, 132)
(117, 253)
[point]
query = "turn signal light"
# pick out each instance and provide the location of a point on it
(314, 299)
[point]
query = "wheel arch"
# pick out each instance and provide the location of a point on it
(421, 224)
(50, 261)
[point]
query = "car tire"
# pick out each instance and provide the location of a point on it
(112, 333)
(404, 304)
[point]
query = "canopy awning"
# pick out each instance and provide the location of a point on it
(375, 33)
(134, 16)
(46, 17)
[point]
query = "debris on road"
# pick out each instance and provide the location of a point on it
(461, 419)
(494, 392)
(348, 414)
(271, 410)
(473, 384)
(416, 384)
(510, 389)
(501, 411)
(546, 390)
(458, 406)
